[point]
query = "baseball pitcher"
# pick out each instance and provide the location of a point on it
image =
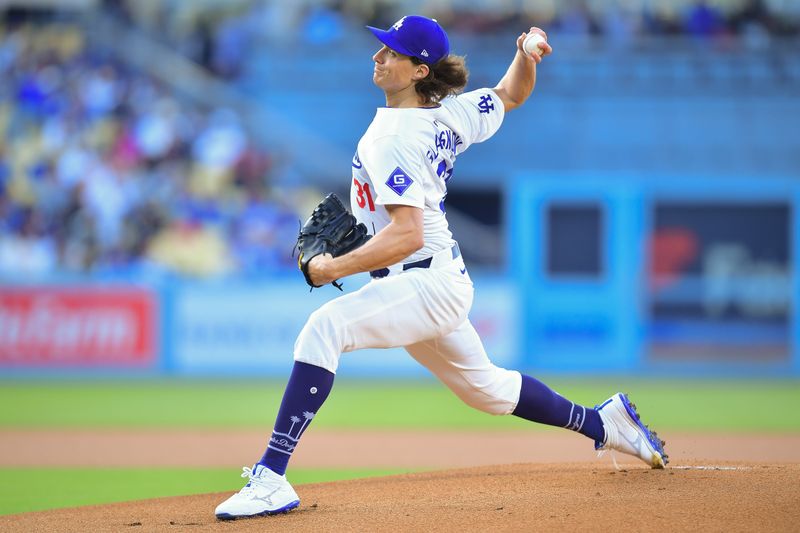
(420, 293)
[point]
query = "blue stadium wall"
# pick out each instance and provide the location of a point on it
(664, 275)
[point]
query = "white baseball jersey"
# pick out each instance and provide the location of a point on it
(406, 157)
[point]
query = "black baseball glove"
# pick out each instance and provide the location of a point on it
(330, 229)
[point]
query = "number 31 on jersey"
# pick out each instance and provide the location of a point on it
(363, 195)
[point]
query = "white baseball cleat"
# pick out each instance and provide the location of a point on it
(266, 493)
(626, 433)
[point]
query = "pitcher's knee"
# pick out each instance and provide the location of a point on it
(320, 342)
(497, 393)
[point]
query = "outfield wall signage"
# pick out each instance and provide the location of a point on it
(250, 328)
(77, 326)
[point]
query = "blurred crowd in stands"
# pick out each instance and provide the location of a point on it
(220, 34)
(103, 170)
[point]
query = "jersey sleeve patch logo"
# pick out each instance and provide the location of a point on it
(486, 104)
(399, 181)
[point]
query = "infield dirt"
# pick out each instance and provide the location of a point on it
(526, 497)
(715, 483)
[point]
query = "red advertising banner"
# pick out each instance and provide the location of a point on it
(77, 326)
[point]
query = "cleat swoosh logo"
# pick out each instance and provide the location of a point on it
(641, 445)
(636, 443)
(266, 498)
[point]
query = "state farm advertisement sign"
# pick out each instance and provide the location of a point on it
(77, 327)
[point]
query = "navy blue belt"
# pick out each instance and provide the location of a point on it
(422, 263)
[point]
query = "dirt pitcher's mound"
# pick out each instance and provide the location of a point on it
(525, 497)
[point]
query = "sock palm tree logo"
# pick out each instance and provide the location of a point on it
(285, 442)
(295, 420)
(309, 416)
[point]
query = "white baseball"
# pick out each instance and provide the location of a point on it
(531, 42)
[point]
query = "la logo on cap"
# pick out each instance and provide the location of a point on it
(415, 36)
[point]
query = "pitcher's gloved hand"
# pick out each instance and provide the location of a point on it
(330, 229)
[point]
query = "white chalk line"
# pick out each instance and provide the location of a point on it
(709, 467)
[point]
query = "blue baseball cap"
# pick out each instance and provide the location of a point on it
(416, 36)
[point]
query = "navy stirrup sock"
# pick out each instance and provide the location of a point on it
(539, 403)
(305, 393)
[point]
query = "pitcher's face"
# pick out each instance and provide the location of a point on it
(393, 71)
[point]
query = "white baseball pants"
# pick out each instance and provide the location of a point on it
(425, 311)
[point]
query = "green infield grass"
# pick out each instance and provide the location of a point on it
(21, 489)
(709, 405)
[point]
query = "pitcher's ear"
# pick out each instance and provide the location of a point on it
(422, 72)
